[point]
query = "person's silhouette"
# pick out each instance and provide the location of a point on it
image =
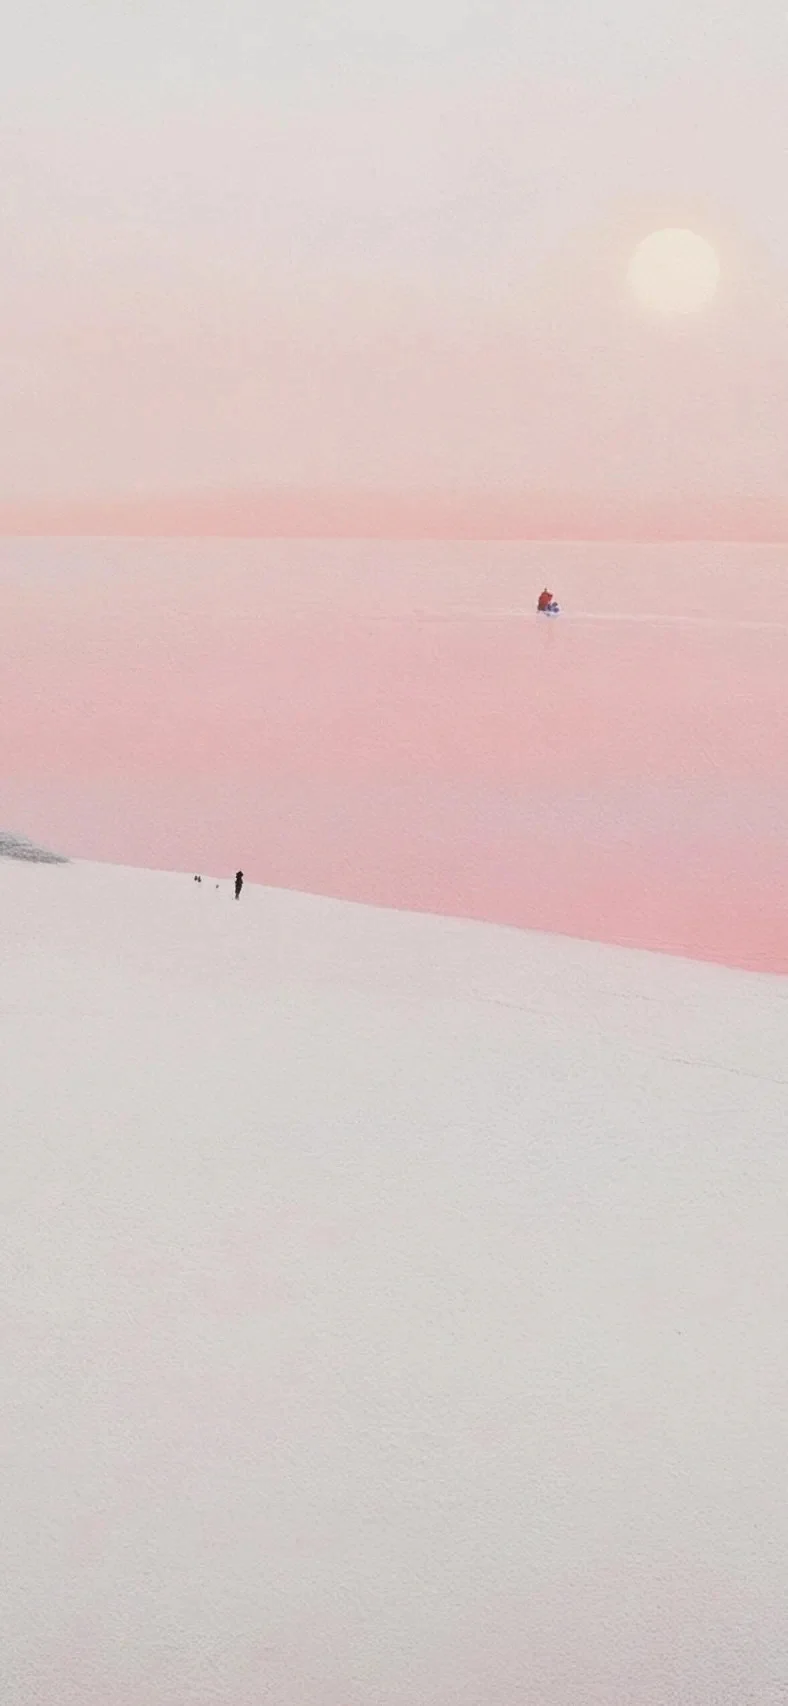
(239, 883)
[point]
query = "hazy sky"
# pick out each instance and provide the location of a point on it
(360, 243)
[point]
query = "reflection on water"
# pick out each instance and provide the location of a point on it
(391, 723)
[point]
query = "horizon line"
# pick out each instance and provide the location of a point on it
(289, 513)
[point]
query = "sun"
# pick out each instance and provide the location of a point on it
(674, 271)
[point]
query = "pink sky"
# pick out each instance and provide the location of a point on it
(370, 255)
(373, 247)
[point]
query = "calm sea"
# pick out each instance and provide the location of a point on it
(390, 723)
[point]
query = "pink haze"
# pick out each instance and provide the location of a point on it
(391, 724)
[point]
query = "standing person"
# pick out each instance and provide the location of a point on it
(545, 600)
(239, 883)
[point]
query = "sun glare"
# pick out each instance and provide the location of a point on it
(674, 272)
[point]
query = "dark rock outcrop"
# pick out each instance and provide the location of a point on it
(18, 847)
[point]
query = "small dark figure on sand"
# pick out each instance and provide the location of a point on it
(239, 883)
(198, 879)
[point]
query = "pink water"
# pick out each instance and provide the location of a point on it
(390, 723)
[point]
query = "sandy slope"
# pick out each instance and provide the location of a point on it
(393, 1310)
